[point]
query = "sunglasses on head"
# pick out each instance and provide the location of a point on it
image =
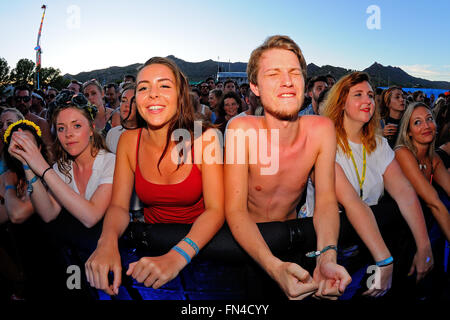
(24, 98)
(66, 97)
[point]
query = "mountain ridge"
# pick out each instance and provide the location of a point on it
(197, 71)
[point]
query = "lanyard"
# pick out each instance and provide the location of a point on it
(360, 180)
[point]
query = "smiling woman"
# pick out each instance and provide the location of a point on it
(365, 167)
(415, 152)
(172, 191)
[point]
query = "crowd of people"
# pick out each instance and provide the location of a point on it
(101, 177)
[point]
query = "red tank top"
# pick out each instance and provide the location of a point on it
(170, 203)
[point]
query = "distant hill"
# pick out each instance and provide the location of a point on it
(197, 71)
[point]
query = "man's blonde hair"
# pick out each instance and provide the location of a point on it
(273, 42)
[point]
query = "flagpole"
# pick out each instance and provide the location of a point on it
(38, 47)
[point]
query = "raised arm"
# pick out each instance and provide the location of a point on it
(332, 278)
(88, 212)
(403, 193)
(423, 187)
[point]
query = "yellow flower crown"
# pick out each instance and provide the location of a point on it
(27, 122)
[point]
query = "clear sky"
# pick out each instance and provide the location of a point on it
(81, 35)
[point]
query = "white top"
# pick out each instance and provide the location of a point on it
(373, 187)
(112, 138)
(102, 173)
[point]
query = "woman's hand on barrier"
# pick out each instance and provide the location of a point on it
(423, 263)
(103, 260)
(383, 282)
(156, 271)
(331, 278)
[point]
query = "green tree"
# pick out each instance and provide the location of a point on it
(4, 72)
(23, 73)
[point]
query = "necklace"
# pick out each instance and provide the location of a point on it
(363, 177)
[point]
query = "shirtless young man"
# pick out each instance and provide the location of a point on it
(277, 72)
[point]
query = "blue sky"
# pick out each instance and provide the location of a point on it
(81, 35)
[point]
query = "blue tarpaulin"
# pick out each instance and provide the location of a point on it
(426, 91)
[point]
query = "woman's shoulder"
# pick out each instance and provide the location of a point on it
(130, 135)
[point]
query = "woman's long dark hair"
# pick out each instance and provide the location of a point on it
(185, 114)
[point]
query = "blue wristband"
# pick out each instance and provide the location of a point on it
(314, 254)
(192, 244)
(385, 262)
(183, 253)
(10, 187)
(33, 180)
(25, 167)
(30, 187)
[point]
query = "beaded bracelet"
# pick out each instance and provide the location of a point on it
(192, 244)
(313, 254)
(183, 253)
(385, 262)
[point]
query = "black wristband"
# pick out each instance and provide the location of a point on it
(45, 171)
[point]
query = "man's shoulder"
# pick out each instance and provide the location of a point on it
(318, 122)
(36, 119)
(244, 122)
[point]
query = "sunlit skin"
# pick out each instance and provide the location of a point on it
(422, 128)
(7, 118)
(157, 103)
(111, 96)
(421, 169)
(252, 197)
(281, 90)
(230, 107)
(358, 110)
(73, 131)
(21, 105)
(156, 95)
(213, 101)
(125, 106)
(229, 87)
(396, 108)
(359, 106)
(94, 95)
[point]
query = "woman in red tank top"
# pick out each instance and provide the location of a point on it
(173, 187)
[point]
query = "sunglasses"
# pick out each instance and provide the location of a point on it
(24, 98)
(66, 97)
(51, 96)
